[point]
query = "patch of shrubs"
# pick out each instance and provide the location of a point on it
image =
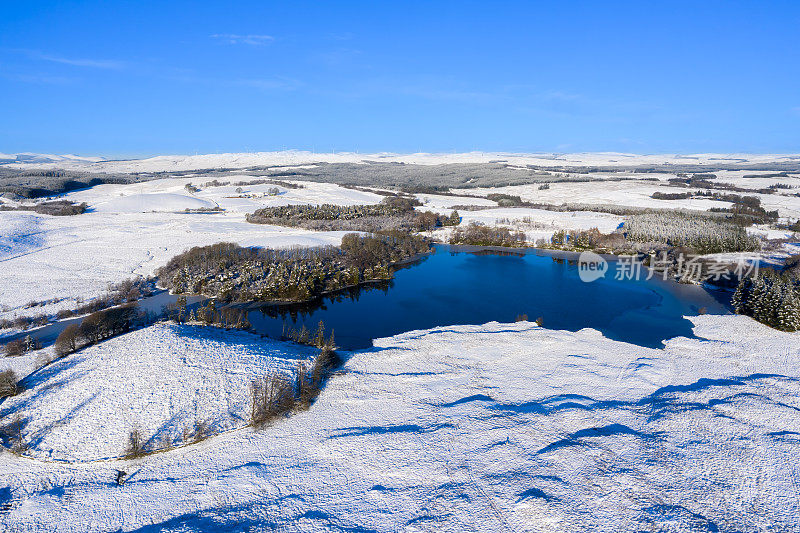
(14, 437)
(591, 239)
(25, 322)
(126, 291)
(59, 208)
(479, 235)
(304, 336)
(280, 183)
(658, 195)
(277, 395)
(19, 347)
(506, 200)
(8, 384)
(428, 220)
(208, 315)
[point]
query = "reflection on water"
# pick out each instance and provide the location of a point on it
(464, 286)
(473, 287)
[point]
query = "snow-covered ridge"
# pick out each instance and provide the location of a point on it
(297, 157)
(28, 158)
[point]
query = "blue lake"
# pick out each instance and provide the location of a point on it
(455, 286)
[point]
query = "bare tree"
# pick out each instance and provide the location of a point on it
(135, 444)
(8, 384)
(67, 341)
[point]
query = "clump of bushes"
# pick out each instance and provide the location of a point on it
(428, 220)
(25, 322)
(276, 395)
(479, 235)
(136, 444)
(304, 336)
(506, 200)
(591, 239)
(658, 195)
(705, 235)
(8, 384)
(126, 291)
(209, 315)
(229, 272)
(771, 298)
(281, 183)
(59, 208)
(22, 346)
(13, 435)
(271, 397)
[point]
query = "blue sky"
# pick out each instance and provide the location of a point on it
(140, 78)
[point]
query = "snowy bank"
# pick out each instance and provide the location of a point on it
(493, 427)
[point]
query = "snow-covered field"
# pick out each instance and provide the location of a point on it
(480, 427)
(494, 427)
(134, 229)
(78, 257)
(637, 193)
(632, 193)
(541, 224)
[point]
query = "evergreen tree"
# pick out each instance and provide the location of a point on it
(772, 299)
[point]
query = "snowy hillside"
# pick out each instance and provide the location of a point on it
(161, 380)
(493, 427)
(152, 203)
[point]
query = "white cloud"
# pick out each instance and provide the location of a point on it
(253, 40)
(94, 63)
(73, 61)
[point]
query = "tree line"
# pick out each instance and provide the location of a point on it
(96, 327)
(229, 272)
(394, 212)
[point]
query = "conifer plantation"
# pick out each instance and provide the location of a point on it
(771, 298)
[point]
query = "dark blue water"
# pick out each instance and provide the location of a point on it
(458, 287)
